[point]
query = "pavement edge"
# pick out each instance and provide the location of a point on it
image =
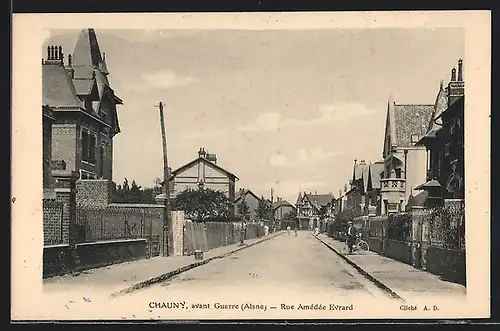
(175, 272)
(370, 277)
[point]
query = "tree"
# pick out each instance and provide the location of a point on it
(203, 205)
(263, 210)
(343, 217)
(131, 194)
(291, 217)
(243, 209)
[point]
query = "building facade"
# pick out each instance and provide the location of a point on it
(281, 209)
(252, 201)
(316, 206)
(47, 121)
(356, 195)
(203, 172)
(373, 200)
(405, 163)
(83, 104)
(445, 145)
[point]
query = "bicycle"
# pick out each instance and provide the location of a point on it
(359, 245)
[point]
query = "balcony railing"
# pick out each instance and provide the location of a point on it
(393, 185)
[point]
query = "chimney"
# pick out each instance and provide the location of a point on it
(201, 152)
(212, 157)
(460, 71)
(362, 162)
(70, 62)
(456, 88)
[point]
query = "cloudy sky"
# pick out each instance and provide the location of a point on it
(285, 109)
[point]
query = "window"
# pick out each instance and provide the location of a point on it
(87, 175)
(88, 146)
(392, 207)
(447, 149)
(101, 154)
(398, 173)
(414, 138)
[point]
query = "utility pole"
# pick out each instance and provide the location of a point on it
(271, 216)
(167, 217)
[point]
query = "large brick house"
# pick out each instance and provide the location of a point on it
(77, 92)
(203, 172)
(444, 141)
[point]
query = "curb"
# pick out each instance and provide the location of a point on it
(185, 268)
(374, 280)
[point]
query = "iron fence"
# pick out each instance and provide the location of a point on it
(115, 223)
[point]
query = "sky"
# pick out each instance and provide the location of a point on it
(282, 109)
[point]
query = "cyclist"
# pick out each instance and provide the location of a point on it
(352, 233)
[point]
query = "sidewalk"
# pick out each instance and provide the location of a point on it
(402, 279)
(128, 276)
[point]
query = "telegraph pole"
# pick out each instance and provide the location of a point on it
(167, 219)
(271, 214)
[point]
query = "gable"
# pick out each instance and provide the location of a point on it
(212, 171)
(190, 170)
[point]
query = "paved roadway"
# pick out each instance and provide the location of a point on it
(284, 269)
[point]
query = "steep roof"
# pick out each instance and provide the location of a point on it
(57, 87)
(360, 171)
(319, 200)
(202, 159)
(247, 192)
(410, 120)
(280, 203)
(417, 200)
(87, 54)
(299, 198)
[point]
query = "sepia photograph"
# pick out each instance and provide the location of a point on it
(233, 172)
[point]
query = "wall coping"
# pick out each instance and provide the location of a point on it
(103, 242)
(60, 174)
(134, 205)
(55, 246)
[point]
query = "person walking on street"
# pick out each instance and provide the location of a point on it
(288, 229)
(351, 235)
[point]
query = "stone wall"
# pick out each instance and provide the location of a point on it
(398, 250)
(447, 263)
(63, 259)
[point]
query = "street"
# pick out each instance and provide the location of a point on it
(285, 266)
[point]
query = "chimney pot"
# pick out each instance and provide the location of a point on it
(460, 71)
(48, 52)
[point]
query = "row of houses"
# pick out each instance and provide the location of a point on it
(422, 163)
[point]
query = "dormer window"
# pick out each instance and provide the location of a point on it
(414, 138)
